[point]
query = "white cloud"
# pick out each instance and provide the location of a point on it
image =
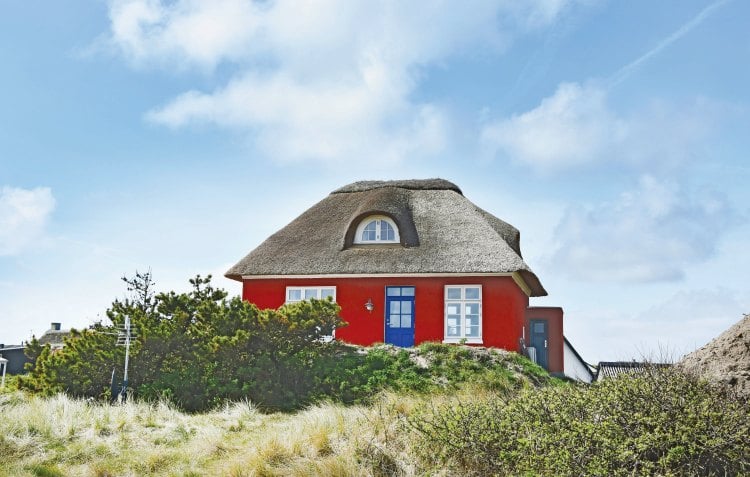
(576, 126)
(185, 33)
(330, 80)
(23, 215)
(572, 127)
(649, 234)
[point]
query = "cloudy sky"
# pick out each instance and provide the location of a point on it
(177, 135)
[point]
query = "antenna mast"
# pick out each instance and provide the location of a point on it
(124, 337)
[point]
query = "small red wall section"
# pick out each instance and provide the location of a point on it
(554, 317)
(503, 306)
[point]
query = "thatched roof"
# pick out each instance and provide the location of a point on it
(441, 232)
(726, 358)
(54, 337)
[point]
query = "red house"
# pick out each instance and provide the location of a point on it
(408, 261)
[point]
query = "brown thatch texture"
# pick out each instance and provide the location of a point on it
(726, 358)
(421, 184)
(54, 337)
(441, 232)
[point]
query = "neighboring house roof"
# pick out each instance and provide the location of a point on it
(54, 338)
(11, 347)
(440, 230)
(612, 369)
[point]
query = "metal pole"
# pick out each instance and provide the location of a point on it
(127, 357)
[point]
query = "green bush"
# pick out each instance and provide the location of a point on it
(195, 349)
(201, 349)
(664, 422)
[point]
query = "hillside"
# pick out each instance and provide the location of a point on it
(726, 358)
(486, 412)
(60, 436)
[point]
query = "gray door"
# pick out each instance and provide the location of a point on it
(538, 339)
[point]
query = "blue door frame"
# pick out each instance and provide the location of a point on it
(539, 340)
(399, 316)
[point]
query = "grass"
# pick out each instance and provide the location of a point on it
(62, 436)
(458, 428)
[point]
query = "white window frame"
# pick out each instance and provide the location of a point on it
(378, 218)
(461, 302)
(302, 290)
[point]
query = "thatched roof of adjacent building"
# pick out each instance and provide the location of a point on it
(440, 230)
(726, 358)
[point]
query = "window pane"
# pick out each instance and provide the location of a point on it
(407, 291)
(472, 293)
(472, 331)
(395, 321)
(326, 292)
(454, 325)
(369, 232)
(405, 321)
(453, 293)
(394, 291)
(294, 294)
(395, 307)
(405, 307)
(386, 231)
(538, 327)
(311, 293)
(472, 309)
(453, 310)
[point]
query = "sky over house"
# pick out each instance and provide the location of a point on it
(178, 135)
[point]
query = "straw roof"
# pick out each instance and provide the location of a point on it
(440, 230)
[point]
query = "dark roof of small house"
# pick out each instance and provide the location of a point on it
(612, 369)
(441, 232)
(11, 347)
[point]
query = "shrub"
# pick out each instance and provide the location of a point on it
(664, 422)
(200, 349)
(194, 349)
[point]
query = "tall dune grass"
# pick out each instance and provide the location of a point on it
(63, 436)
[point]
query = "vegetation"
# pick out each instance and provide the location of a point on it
(194, 349)
(663, 422)
(198, 350)
(666, 423)
(435, 409)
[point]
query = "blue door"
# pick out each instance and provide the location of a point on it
(399, 316)
(538, 340)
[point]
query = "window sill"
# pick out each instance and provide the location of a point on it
(464, 340)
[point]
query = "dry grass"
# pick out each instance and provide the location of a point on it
(60, 436)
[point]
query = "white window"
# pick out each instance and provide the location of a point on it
(294, 294)
(377, 229)
(463, 313)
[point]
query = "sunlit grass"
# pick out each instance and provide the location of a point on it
(64, 436)
(59, 435)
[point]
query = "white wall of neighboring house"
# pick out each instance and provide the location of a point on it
(574, 367)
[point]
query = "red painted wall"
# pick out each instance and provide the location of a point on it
(554, 317)
(503, 306)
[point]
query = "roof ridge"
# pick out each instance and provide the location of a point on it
(411, 184)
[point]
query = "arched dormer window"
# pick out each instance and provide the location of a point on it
(377, 229)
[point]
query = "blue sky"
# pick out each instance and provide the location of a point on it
(178, 135)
